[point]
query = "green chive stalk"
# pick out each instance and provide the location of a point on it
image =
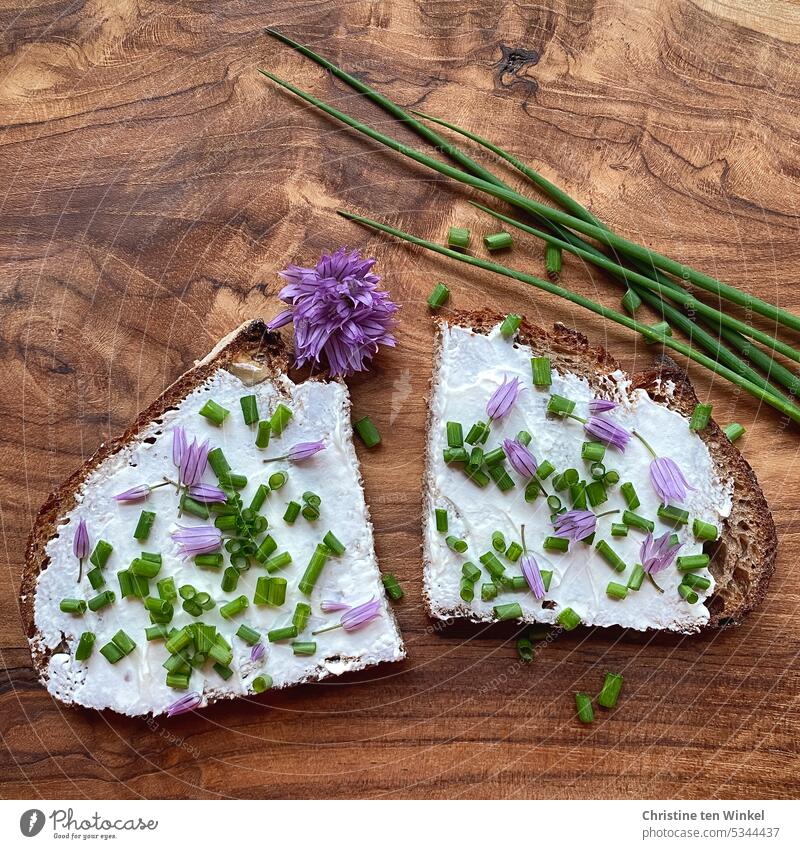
(788, 409)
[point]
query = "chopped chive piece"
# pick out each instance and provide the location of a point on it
(292, 512)
(688, 594)
(225, 523)
(498, 241)
(234, 607)
(123, 642)
(262, 683)
(178, 681)
(478, 433)
(610, 556)
(636, 578)
(545, 469)
(701, 416)
(144, 568)
(493, 566)
(583, 704)
(734, 431)
(279, 419)
(692, 561)
(248, 634)
(696, 582)
(304, 649)
(179, 640)
(85, 646)
(102, 551)
(441, 520)
(470, 571)
(455, 455)
(73, 605)
(577, 494)
(208, 561)
(279, 634)
(439, 296)
(488, 592)
(230, 579)
(554, 503)
(95, 577)
(479, 477)
(555, 544)
(187, 591)
(270, 591)
(615, 590)
(704, 530)
(231, 479)
(333, 543)
(541, 371)
(532, 490)
(568, 619)
(518, 583)
(146, 519)
(597, 471)
(279, 561)
(150, 555)
(104, 599)
(318, 560)
(455, 435)
(547, 577)
(501, 477)
(594, 451)
(467, 590)
(194, 508)
(224, 672)
(662, 328)
(525, 649)
(596, 493)
(524, 438)
(249, 409)
(125, 583)
(630, 496)
(510, 325)
(611, 478)
(367, 431)
(673, 514)
(156, 632)
(215, 413)
(259, 497)
(456, 544)
(392, 587)
(112, 653)
(552, 260)
(504, 612)
(157, 606)
(560, 406)
(458, 238)
(514, 551)
(277, 480)
(498, 542)
(217, 461)
(476, 457)
(634, 520)
(495, 456)
(263, 433)
(618, 529)
(612, 687)
(302, 613)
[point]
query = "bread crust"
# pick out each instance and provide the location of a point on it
(744, 558)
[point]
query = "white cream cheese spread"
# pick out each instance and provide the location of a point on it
(136, 684)
(472, 366)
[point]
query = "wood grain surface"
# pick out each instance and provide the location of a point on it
(152, 184)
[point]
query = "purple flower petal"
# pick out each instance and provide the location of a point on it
(362, 615)
(521, 459)
(207, 494)
(281, 319)
(503, 398)
(530, 569)
(184, 704)
(333, 606)
(304, 450)
(668, 480)
(178, 445)
(607, 431)
(135, 493)
(657, 554)
(80, 542)
(575, 525)
(197, 540)
(193, 463)
(600, 405)
(257, 652)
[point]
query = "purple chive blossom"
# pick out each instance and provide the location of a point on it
(80, 542)
(600, 405)
(657, 554)
(503, 398)
(362, 615)
(521, 459)
(337, 310)
(199, 540)
(304, 450)
(333, 606)
(257, 652)
(135, 493)
(178, 445)
(184, 704)
(530, 569)
(280, 320)
(193, 463)
(604, 430)
(668, 480)
(207, 494)
(575, 525)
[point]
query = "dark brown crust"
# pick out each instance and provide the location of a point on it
(744, 559)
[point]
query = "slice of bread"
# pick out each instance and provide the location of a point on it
(468, 367)
(251, 360)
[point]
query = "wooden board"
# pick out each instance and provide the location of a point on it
(154, 183)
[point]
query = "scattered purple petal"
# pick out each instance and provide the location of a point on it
(607, 431)
(503, 398)
(575, 525)
(184, 704)
(80, 542)
(337, 311)
(207, 494)
(258, 651)
(304, 450)
(198, 540)
(657, 554)
(362, 615)
(600, 405)
(530, 569)
(193, 463)
(521, 459)
(135, 493)
(668, 480)
(333, 606)
(178, 445)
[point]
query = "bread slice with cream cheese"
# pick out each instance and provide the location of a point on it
(250, 361)
(472, 358)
